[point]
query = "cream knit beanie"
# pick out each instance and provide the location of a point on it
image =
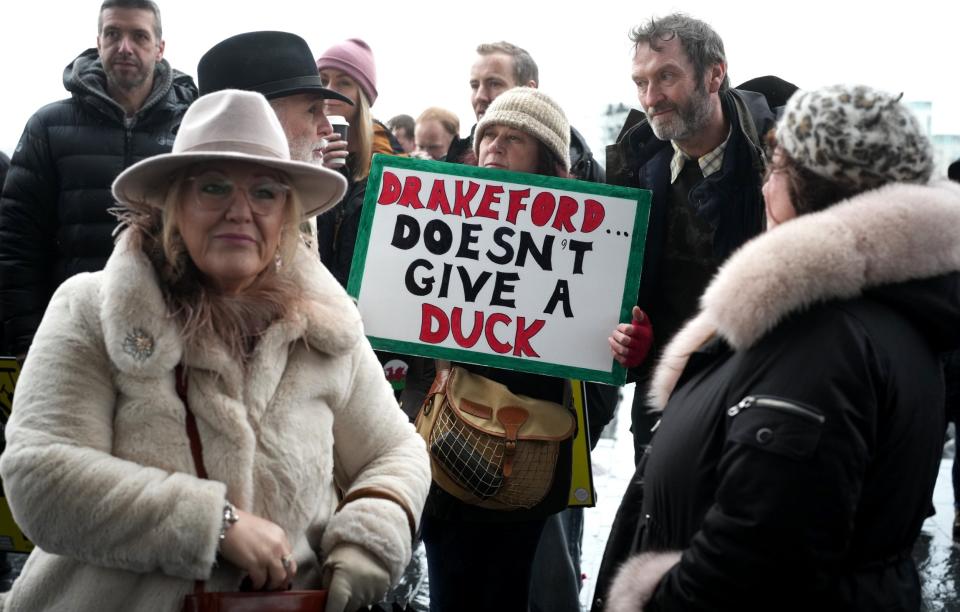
(533, 112)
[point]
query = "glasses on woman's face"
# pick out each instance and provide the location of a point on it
(214, 192)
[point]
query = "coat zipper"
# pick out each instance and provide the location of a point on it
(127, 138)
(777, 404)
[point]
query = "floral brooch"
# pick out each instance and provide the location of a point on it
(138, 344)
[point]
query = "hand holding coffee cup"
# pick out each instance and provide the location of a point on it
(335, 154)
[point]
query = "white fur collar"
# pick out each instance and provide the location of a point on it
(143, 339)
(892, 234)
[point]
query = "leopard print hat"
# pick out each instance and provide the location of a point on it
(855, 135)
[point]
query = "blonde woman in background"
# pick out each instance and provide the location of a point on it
(348, 69)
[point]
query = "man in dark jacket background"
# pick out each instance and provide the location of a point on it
(126, 104)
(698, 147)
(501, 66)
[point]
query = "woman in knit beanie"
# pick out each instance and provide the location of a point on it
(523, 130)
(348, 68)
(530, 131)
(803, 407)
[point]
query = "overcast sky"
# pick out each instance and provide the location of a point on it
(424, 49)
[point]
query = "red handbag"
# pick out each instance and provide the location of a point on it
(256, 601)
(237, 601)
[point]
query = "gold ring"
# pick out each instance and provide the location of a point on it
(286, 560)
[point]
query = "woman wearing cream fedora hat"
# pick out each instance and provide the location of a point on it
(188, 413)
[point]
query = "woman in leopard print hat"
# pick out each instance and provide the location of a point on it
(803, 408)
(841, 140)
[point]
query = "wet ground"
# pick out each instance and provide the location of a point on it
(937, 556)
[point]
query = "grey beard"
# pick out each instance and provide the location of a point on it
(301, 150)
(688, 119)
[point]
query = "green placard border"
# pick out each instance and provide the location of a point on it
(617, 374)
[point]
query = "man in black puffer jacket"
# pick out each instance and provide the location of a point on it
(126, 103)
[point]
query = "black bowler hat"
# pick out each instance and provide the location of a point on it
(276, 64)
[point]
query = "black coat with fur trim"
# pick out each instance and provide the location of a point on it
(796, 457)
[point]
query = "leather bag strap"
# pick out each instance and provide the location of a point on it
(382, 494)
(196, 448)
(439, 382)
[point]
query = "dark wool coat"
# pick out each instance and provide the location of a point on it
(53, 214)
(730, 199)
(803, 424)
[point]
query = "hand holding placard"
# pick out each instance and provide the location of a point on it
(631, 343)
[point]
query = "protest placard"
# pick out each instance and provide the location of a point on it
(505, 269)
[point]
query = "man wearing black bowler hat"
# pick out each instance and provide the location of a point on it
(279, 65)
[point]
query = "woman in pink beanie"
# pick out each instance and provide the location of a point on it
(348, 69)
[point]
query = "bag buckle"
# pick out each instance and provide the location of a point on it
(512, 418)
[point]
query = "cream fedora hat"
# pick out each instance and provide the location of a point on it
(230, 125)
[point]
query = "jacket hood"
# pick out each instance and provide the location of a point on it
(85, 77)
(890, 242)
(578, 147)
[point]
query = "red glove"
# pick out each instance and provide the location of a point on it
(631, 343)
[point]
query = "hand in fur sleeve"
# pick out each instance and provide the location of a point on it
(637, 579)
(354, 579)
(631, 343)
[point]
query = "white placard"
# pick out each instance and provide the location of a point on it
(499, 268)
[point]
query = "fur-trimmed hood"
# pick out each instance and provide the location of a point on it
(890, 235)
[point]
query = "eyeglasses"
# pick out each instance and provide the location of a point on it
(214, 192)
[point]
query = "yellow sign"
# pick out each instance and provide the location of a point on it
(581, 480)
(11, 538)
(9, 372)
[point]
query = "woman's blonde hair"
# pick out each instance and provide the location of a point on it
(237, 320)
(363, 133)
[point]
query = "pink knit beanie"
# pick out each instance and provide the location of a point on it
(354, 57)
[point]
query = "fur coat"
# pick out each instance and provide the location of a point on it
(843, 312)
(98, 469)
